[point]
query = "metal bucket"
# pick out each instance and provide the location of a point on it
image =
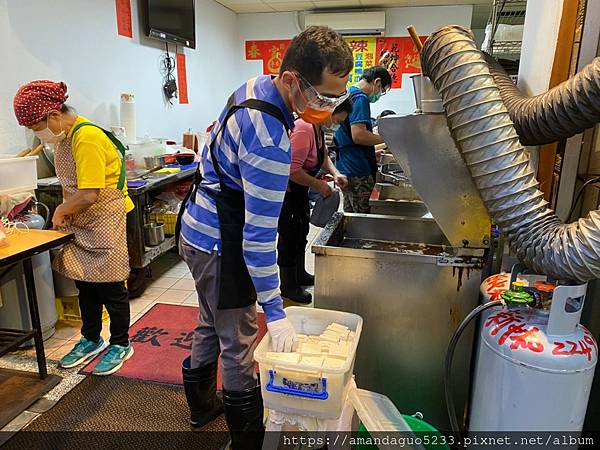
(154, 234)
(427, 98)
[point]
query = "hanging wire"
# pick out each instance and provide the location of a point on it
(579, 194)
(167, 69)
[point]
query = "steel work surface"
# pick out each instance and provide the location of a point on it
(410, 306)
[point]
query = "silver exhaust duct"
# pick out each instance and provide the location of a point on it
(488, 142)
(562, 112)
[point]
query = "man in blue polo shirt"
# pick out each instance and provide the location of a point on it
(356, 140)
(229, 222)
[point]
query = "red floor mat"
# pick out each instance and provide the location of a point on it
(161, 340)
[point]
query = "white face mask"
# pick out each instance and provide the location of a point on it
(48, 137)
(333, 128)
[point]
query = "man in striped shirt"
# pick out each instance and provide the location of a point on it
(229, 224)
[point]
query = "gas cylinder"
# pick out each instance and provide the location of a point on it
(535, 367)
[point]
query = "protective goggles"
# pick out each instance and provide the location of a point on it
(317, 100)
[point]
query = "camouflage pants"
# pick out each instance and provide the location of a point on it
(357, 194)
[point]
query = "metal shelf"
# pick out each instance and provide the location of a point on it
(501, 48)
(506, 12)
(11, 339)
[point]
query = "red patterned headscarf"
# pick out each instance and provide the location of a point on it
(33, 101)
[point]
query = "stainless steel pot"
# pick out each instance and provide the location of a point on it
(427, 98)
(154, 234)
(152, 162)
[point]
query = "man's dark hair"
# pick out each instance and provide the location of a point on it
(372, 73)
(386, 112)
(315, 50)
(345, 107)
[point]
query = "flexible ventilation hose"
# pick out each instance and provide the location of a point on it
(567, 109)
(485, 136)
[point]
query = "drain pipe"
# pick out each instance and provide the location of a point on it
(486, 137)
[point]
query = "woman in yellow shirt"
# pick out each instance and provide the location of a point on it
(89, 164)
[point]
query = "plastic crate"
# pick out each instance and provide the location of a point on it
(67, 308)
(18, 174)
(316, 391)
(169, 219)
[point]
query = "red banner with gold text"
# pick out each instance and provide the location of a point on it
(399, 53)
(270, 52)
(401, 56)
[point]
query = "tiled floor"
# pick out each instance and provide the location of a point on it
(171, 283)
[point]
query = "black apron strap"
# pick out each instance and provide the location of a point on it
(250, 103)
(296, 188)
(321, 147)
(191, 194)
(236, 289)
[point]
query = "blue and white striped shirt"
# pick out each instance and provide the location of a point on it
(253, 152)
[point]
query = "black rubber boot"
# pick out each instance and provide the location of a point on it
(244, 416)
(200, 387)
(304, 278)
(290, 288)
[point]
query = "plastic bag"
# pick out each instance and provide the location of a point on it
(3, 239)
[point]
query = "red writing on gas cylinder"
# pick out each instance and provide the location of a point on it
(517, 332)
(574, 348)
(522, 337)
(502, 320)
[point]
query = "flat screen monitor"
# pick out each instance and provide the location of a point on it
(171, 21)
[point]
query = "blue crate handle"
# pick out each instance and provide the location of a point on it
(271, 387)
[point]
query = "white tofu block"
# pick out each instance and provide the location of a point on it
(345, 335)
(330, 338)
(311, 360)
(284, 357)
(332, 331)
(310, 348)
(341, 351)
(337, 327)
(333, 363)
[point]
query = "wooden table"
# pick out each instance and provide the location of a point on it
(18, 389)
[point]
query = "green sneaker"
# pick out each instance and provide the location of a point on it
(115, 356)
(83, 351)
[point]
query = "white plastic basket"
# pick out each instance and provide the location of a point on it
(17, 174)
(303, 389)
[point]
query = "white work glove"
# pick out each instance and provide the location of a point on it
(283, 336)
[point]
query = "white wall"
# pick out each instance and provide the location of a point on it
(285, 26)
(262, 26)
(76, 41)
(540, 35)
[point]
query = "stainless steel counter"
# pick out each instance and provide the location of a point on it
(412, 293)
